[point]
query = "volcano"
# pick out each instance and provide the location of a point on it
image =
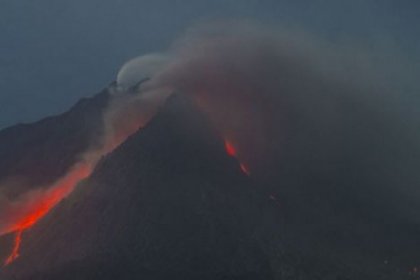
(34, 157)
(168, 203)
(173, 201)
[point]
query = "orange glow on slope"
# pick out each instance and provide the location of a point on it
(231, 151)
(35, 205)
(41, 203)
(59, 191)
(15, 253)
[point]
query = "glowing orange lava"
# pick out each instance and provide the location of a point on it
(15, 252)
(37, 204)
(60, 190)
(41, 203)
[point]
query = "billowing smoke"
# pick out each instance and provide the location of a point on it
(302, 112)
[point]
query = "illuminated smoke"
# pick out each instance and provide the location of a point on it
(248, 79)
(25, 212)
(295, 105)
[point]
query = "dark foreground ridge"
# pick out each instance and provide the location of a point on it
(167, 204)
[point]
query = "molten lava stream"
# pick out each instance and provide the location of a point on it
(42, 203)
(231, 151)
(15, 252)
(38, 204)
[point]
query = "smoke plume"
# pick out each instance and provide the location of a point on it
(297, 110)
(304, 112)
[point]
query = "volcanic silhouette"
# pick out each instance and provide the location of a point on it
(170, 202)
(174, 202)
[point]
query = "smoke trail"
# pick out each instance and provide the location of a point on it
(27, 209)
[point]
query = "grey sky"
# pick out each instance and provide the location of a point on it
(54, 52)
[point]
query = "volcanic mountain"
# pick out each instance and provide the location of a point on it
(173, 202)
(33, 156)
(168, 203)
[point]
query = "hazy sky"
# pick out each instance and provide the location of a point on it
(54, 52)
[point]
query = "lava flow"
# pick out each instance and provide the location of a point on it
(38, 204)
(15, 252)
(35, 205)
(231, 151)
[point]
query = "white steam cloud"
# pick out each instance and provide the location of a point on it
(139, 69)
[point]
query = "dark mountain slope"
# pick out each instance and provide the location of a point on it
(37, 154)
(167, 204)
(6, 244)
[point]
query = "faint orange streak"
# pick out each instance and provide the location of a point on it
(15, 252)
(231, 151)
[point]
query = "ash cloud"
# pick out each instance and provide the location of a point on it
(305, 112)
